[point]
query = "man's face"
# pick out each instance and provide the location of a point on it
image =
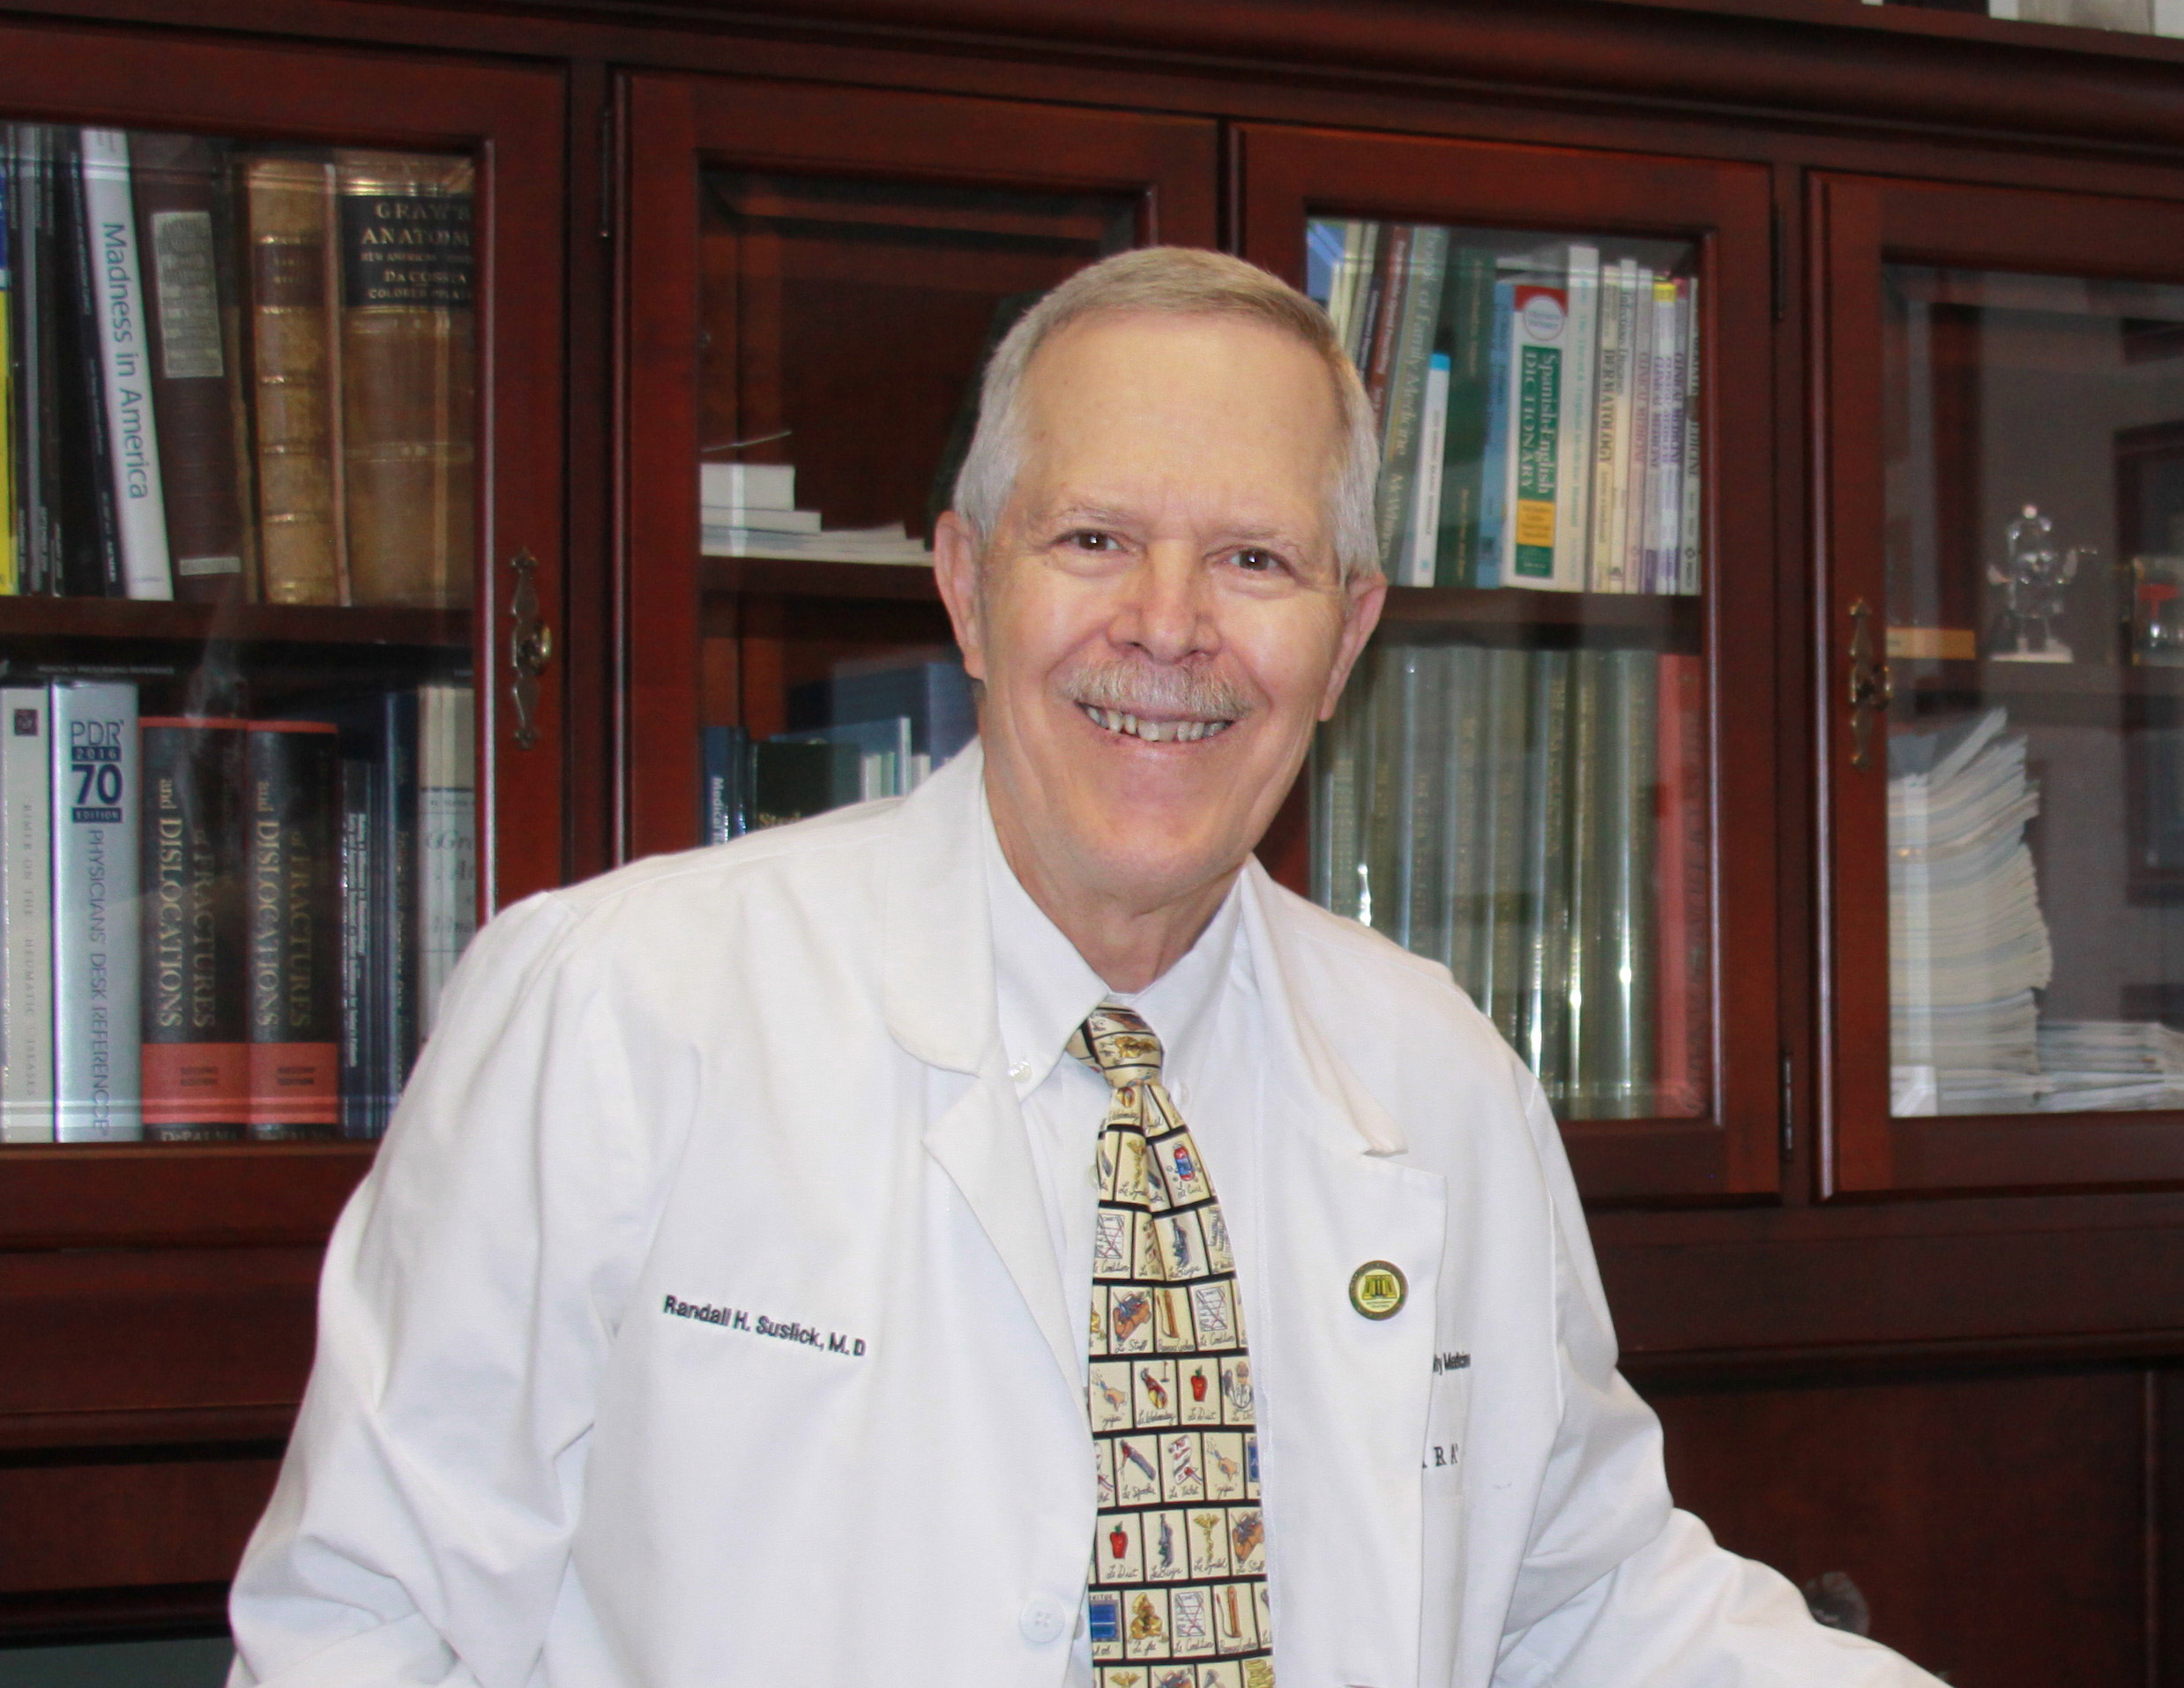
(1158, 619)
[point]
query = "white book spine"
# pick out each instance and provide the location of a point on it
(1342, 290)
(1690, 528)
(97, 810)
(1618, 522)
(125, 359)
(1573, 537)
(1603, 562)
(25, 916)
(756, 486)
(1424, 550)
(1639, 435)
(447, 840)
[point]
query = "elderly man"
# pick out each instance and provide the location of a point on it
(1000, 1237)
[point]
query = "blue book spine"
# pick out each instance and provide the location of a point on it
(1493, 461)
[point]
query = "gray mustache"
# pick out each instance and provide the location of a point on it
(1142, 690)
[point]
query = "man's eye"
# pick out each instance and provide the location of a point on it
(1087, 540)
(1255, 561)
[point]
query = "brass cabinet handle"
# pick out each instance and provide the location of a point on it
(530, 647)
(1871, 689)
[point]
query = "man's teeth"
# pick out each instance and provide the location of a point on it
(1154, 732)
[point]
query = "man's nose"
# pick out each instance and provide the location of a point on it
(1167, 610)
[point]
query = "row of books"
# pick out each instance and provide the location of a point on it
(214, 927)
(1539, 411)
(749, 510)
(1968, 945)
(868, 730)
(1537, 821)
(235, 372)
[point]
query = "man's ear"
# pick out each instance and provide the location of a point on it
(955, 570)
(1363, 597)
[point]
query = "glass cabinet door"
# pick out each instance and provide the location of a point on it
(819, 297)
(1523, 780)
(262, 767)
(2008, 626)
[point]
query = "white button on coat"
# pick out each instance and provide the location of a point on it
(1043, 1620)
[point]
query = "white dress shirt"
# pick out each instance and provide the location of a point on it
(1204, 1010)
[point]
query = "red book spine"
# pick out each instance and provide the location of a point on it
(293, 880)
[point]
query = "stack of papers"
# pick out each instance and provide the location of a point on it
(749, 510)
(2112, 1063)
(1968, 944)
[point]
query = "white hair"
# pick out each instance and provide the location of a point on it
(1175, 281)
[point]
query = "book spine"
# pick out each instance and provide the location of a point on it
(176, 182)
(1638, 437)
(10, 504)
(1463, 810)
(1682, 1016)
(1423, 275)
(42, 291)
(447, 840)
(132, 423)
(1342, 285)
(1339, 751)
(1492, 569)
(1545, 911)
(1421, 566)
(1391, 271)
(196, 1061)
(409, 376)
(1364, 292)
(1537, 344)
(1470, 347)
(1408, 685)
(292, 895)
(1505, 914)
(93, 563)
(1572, 1011)
(363, 1086)
(96, 820)
(1689, 528)
(1573, 477)
(1603, 562)
(1431, 726)
(398, 901)
(1665, 461)
(1380, 769)
(1616, 951)
(291, 347)
(26, 915)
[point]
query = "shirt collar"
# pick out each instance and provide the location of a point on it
(1043, 988)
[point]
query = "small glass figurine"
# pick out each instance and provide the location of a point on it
(2033, 587)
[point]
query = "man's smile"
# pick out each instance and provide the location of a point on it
(1186, 731)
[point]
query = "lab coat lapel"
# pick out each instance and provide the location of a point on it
(937, 962)
(1344, 1420)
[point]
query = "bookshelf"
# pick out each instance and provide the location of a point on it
(698, 229)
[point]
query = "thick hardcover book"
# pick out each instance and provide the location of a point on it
(1467, 315)
(1365, 288)
(1539, 367)
(1683, 1018)
(295, 355)
(1491, 568)
(409, 376)
(792, 778)
(195, 1058)
(1504, 911)
(1460, 835)
(396, 746)
(1431, 732)
(1574, 1019)
(132, 423)
(97, 817)
(1573, 475)
(1391, 271)
(1543, 966)
(1665, 443)
(91, 562)
(39, 292)
(1411, 724)
(1412, 348)
(25, 916)
(1344, 294)
(1380, 794)
(195, 380)
(447, 840)
(1611, 947)
(292, 880)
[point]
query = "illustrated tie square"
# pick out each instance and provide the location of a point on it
(1178, 1587)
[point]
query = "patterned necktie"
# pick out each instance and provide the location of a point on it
(1178, 1588)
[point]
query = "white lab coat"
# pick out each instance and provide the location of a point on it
(698, 1325)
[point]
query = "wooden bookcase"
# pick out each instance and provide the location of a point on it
(1872, 1338)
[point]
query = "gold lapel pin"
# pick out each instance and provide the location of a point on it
(1377, 1289)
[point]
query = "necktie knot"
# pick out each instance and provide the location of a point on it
(1116, 1043)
